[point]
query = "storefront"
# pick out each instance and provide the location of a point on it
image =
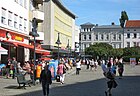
(10, 41)
(18, 46)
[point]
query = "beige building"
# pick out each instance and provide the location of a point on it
(57, 19)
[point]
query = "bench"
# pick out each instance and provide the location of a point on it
(21, 80)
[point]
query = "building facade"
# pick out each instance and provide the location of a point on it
(14, 28)
(91, 34)
(132, 33)
(58, 19)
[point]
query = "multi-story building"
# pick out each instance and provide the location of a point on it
(14, 28)
(76, 39)
(111, 34)
(58, 19)
(85, 38)
(132, 33)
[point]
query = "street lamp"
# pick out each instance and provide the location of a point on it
(58, 43)
(34, 34)
(68, 47)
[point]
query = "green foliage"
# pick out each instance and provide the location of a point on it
(99, 49)
(132, 52)
(116, 52)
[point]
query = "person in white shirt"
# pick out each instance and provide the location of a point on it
(78, 66)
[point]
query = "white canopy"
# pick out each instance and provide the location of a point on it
(3, 51)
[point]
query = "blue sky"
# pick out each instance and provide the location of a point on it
(102, 12)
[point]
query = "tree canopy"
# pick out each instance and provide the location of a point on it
(123, 18)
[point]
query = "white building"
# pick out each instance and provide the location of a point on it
(132, 33)
(90, 34)
(14, 28)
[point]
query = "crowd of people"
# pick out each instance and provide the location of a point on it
(113, 65)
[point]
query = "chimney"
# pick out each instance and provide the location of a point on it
(112, 23)
(96, 25)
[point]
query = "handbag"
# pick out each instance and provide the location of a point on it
(115, 84)
(64, 70)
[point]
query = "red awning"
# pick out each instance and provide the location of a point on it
(42, 51)
(11, 42)
(26, 45)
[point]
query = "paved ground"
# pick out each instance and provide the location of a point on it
(88, 83)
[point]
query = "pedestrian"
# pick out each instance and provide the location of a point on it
(8, 68)
(61, 71)
(45, 79)
(111, 83)
(78, 66)
(87, 62)
(92, 64)
(120, 68)
(104, 67)
(14, 63)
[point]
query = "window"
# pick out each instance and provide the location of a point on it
(107, 37)
(135, 44)
(90, 29)
(102, 36)
(128, 44)
(21, 2)
(84, 29)
(135, 35)
(114, 36)
(3, 16)
(85, 37)
(25, 4)
(96, 36)
(25, 24)
(128, 35)
(15, 21)
(119, 37)
(84, 46)
(89, 36)
(10, 18)
(20, 23)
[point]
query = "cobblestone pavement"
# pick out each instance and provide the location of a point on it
(88, 83)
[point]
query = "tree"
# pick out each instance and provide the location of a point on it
(116, 52)
(123, 18)
(99, 49)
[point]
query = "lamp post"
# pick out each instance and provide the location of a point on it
(58, 43)
(68, 48)
(34, 34)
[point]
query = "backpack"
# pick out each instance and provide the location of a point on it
(109, 75)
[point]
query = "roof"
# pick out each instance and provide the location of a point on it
(108, 26)
(132, 24)
(88, 23)
(59, 3)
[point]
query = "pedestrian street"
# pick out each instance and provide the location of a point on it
(87, 83)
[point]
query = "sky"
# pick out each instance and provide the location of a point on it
(102, 12)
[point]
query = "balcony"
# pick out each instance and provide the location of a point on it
(38, 1)
(38, 15)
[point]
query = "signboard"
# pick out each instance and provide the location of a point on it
(133, 61)
(53, 64)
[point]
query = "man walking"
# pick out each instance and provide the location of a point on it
(45, 79)
(14, 63)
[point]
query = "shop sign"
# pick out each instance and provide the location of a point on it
(18, 38)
